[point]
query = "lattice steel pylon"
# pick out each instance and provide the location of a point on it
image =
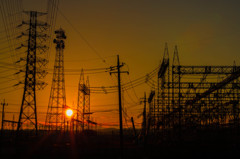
(162, 92)
(36, 37)
(83, 107)
(55, 118)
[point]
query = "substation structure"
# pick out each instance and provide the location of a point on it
(194, 97)
(83, 106)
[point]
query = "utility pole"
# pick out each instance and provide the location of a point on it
(120, 99)
(144, 123)
(3, 105)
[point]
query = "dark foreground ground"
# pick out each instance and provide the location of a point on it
(200, 144)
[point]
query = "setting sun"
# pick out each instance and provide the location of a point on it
(69, 112)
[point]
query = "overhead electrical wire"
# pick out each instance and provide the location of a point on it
(10, 91)
(109, 89)
(10, 56)
(11, 12)
(12, 16)
(128, 85)
(82, 37)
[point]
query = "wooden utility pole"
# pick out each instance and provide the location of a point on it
(144, 123)
(3, 105)
(120, 99)
(120, 102)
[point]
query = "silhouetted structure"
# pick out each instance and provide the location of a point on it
(55, 119)
(36, 31)
(83, 106)
(195, 97)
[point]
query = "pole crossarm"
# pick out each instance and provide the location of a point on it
(120, 99)
(191, 70)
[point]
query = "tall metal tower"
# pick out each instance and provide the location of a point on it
(83, 106)
(28, 111)
(163, 79)
(55, 118)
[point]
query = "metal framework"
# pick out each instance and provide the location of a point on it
(83, 106)
(33, 72)
(55, 119)
(195, 97)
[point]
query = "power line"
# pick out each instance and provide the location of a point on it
(10, 91)
(81, 36)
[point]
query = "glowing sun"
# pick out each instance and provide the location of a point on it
(69, 112)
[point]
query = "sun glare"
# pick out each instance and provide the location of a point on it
(69, 112)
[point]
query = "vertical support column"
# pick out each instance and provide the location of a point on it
(120, 100)
(3, 106)
(176, 76)
(120, 105)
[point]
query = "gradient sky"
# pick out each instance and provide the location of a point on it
(206, 33)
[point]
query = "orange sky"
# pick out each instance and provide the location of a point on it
(207, 33)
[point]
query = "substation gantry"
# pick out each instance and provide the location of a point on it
(194, 96)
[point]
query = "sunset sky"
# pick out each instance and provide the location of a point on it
(206, 33)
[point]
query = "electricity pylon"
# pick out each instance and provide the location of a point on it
(36, 37)
(83, 107)
(55, 118)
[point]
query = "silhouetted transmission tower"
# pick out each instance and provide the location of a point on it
(83, 107)
(55, 118)
(35, 47)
